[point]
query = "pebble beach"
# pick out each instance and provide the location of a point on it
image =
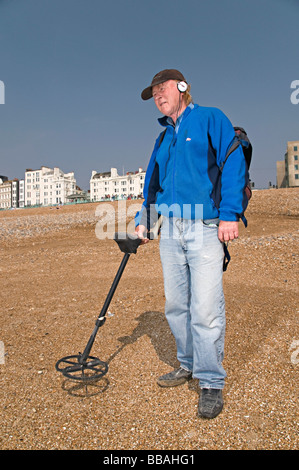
(55, 274)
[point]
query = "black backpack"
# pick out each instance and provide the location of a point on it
(241, 138)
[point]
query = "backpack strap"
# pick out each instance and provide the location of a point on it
(235, 144)
(162, 137)
(226, 258)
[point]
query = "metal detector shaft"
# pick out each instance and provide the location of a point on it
(101, 318)
(128, 245)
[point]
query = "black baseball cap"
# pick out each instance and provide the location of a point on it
(163, 76)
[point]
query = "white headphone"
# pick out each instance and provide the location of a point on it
(182, 86)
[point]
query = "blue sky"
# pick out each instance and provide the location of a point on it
(73, 72)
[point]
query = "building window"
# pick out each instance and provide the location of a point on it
(295, 157)
(296, 148)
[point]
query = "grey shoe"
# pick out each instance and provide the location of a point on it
(210, 403)
(174, 378)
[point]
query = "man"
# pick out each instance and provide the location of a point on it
(183, 184)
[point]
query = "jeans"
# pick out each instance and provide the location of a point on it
(192, 262)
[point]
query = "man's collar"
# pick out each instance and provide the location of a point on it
(166, 120)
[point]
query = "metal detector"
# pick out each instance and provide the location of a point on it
(82, 366)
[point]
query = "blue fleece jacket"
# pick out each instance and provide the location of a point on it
(183, 177)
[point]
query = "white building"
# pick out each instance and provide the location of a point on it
(5, 194)
(22, 193)
(15, 193)
(110, 185)
(287, 170)
(9, 193)
(48, 186)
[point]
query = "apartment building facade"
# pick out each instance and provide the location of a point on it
(9, 193)
(287, 170)
(48, 186)
(21, 193)
(5, 194)
(111, 185)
